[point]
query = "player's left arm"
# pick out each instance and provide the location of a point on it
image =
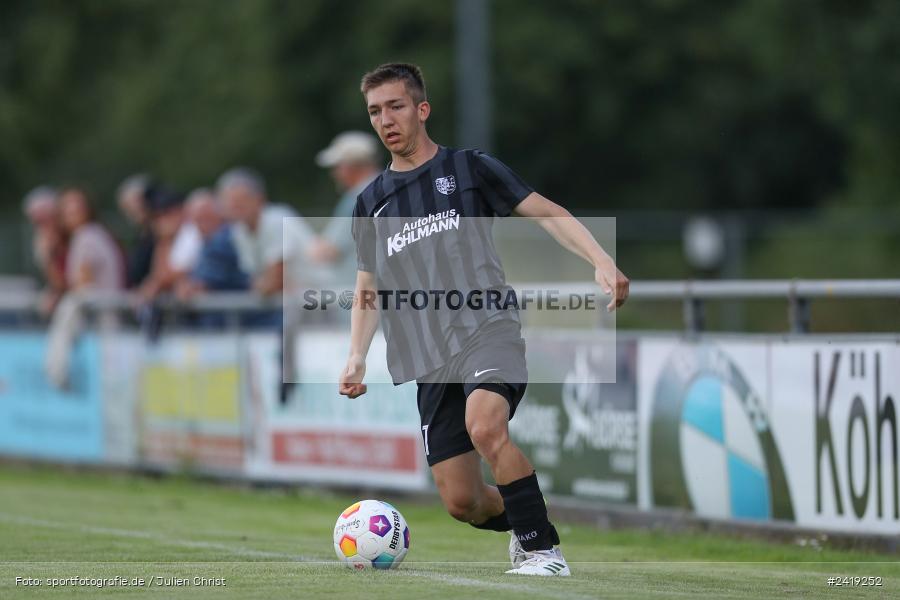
(575, 237)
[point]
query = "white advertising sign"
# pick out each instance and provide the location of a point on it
(804, 432)
(312, 433)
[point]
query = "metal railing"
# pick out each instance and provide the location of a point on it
(798, 293)
(694, 295)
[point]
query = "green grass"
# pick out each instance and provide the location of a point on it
(277, 544)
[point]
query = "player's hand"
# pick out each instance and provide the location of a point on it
(613, 282)
(351, 384)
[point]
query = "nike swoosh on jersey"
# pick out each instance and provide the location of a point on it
(480, 373)
(377, 212)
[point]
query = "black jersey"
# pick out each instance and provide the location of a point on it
(426, 235)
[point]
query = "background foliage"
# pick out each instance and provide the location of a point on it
(662, 103)
(680, 105)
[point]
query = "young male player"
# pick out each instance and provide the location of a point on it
(469, 363)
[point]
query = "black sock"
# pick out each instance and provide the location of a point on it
(527, 514)
(495, 523)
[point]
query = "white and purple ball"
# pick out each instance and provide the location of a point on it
(371, 533)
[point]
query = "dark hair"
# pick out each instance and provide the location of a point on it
(159, 198)
(408, 73)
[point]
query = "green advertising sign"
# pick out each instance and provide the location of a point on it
(581, 436)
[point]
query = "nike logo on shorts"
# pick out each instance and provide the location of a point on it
(480, 373)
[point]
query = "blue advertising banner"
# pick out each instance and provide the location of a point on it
(37, 420)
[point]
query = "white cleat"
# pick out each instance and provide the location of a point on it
(548, 563)
(516, 551)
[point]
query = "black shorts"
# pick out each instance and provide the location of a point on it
(493, 360)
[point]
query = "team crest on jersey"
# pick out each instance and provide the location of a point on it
(445, 185)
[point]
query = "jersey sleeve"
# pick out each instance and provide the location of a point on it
(501, 187)
(363, 230)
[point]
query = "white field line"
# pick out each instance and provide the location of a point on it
(148, 535)
(447, 579)
(522, 589)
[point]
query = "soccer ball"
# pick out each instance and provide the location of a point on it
(371, 533)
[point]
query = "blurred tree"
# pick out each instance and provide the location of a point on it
(661, 103)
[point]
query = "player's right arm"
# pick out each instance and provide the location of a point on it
(363, 324)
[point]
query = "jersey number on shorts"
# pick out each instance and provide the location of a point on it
(425, 437)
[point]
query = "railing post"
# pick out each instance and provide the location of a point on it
(233, 320)
(693, 314)
(798, 310)
(798, 314)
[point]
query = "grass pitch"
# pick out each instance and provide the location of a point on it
(277, 544)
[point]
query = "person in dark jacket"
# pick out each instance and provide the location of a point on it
(132, 200)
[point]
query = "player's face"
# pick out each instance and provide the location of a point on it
(395, 116)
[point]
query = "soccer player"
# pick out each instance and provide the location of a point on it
(469, 364)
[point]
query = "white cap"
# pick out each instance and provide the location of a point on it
(350, 146)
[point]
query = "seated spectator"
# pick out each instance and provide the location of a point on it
(132, 201)
(49, 244)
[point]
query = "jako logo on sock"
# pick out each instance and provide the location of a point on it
(527, 536)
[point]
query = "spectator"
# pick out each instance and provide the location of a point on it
(94, 260)
(259, 231)
(202, 218)
(166, 210)
(216, 267)
(49, 244)
(132, 201)
(352, 158)
(94, 263)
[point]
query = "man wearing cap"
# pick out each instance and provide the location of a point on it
(352, 158)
